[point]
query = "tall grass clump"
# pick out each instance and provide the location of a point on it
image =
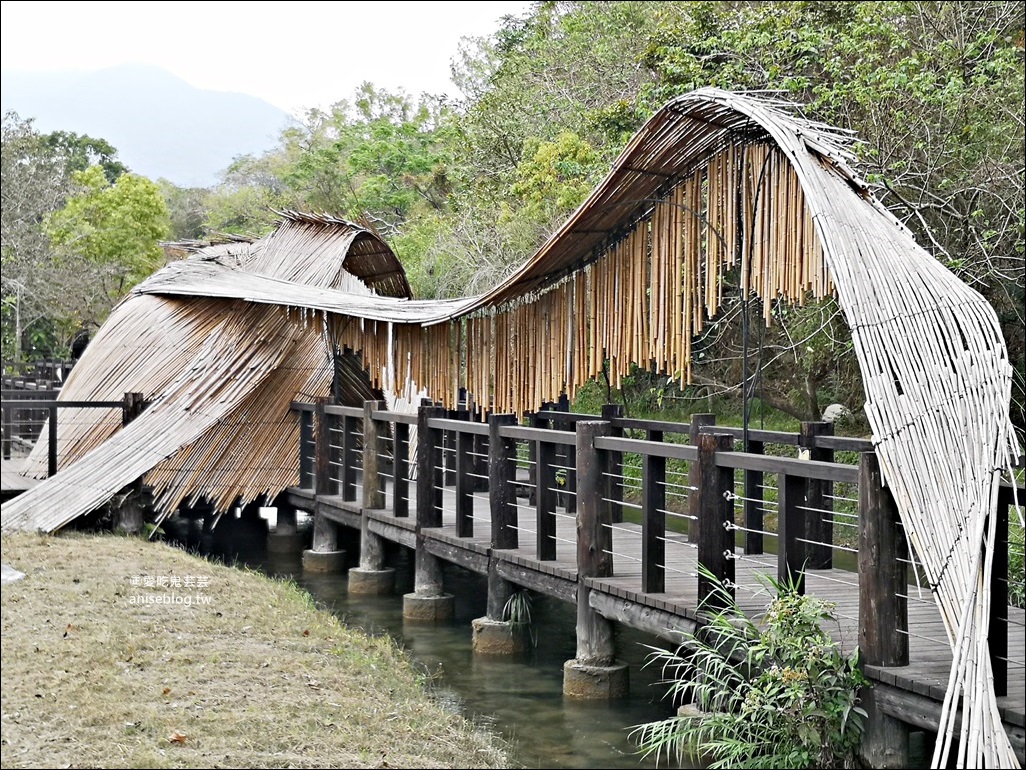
(772, 692)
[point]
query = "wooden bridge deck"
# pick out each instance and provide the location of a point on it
(913, 693)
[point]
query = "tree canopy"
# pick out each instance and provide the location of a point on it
(466, 189)
(78, 232)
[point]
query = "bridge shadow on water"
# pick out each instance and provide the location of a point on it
(519, 697)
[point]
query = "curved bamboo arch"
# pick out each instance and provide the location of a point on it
(632, 277)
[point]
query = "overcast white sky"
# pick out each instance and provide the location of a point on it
(295, 55)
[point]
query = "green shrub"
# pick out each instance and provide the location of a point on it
(776, 693)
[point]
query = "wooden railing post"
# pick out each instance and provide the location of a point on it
(792, 532)
(8, 433)
(51, 458)
(545, 499)
(347, 459)
(818, 501)
(131, 514)
(373, 481)
(132, 405)
(322, 448)
(612, 412)
(429, 467)
(429, 601)
(594, 513)
(535, 421)
(464, 446)
(997, 637)
(567, 457)
(594, 672)
(653, 524)
(698, 421)
(883, 571)
(754, 504)
(371, 576)
(883, 611)
(716, 513)
(306, 455)
(502, 453)
(401, 470)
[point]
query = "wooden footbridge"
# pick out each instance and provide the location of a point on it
(571, 506)
(719, 198)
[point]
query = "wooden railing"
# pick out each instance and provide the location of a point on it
(720, 499)
(25, 414)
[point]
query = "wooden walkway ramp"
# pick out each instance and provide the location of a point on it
(12, 483)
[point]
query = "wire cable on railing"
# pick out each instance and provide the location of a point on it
(812, 509)
(753, 562)
(755, 590)
(614, 528)
(843, 515)
(731, 496)
(741, 528)
(917, 598)
(622, 556)
(678, 514)
(675, 541)
(828, 545)
(677, 571)
(842, 497)
(523, 529)
(817, 575)
(932, 639)
(636, 506)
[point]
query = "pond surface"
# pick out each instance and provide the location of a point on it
(521, 697)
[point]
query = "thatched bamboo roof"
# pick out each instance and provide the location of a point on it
(715, 181)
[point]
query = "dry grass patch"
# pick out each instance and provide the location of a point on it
(257, 677)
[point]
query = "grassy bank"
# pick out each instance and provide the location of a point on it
(118, 652)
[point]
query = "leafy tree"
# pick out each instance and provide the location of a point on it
(187, 209)
(112, 232)
(556, 176)
(934, 89)
(81, 151)
(568, 66)
(34, 184)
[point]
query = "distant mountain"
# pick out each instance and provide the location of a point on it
(160, 125)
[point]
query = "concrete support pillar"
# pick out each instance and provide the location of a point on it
(494, 634)
(325, 555)
(371, 577)
(429, 602)
(594, 673)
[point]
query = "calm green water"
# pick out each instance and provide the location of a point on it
(519, 698)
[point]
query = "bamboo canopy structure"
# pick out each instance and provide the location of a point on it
(714, 182)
